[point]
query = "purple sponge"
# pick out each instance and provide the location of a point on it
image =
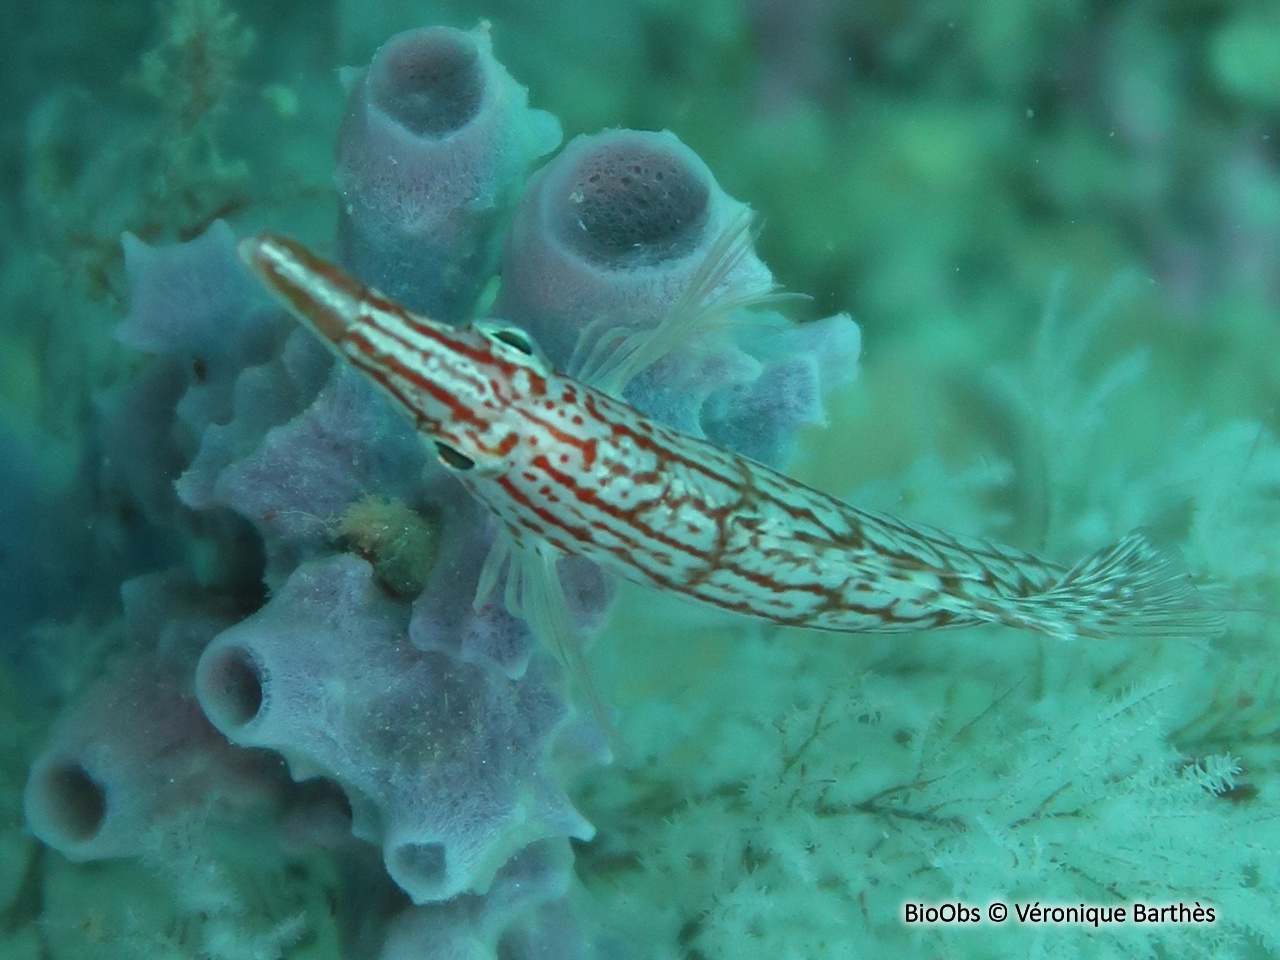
(132, 752)
(204, 320)
(433, 152)
(443, 762)
(304, 474)
(195, 303)
(798, 363)
(264, 396)
(524, 911)
(613, 229)
(134, 749)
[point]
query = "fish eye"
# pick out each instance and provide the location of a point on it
(453, 459)
(513, 337)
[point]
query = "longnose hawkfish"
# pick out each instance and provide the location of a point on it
(569, 468)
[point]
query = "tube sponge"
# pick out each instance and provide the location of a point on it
(614, 227)
(433, 151)
(132, 751)
(442, 761)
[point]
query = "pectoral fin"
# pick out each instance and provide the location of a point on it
(533, 592)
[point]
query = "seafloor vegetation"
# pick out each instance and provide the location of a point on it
(1058, 226)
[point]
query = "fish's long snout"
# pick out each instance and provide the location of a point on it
(314, 289)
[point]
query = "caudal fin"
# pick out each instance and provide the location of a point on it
(1131, 588)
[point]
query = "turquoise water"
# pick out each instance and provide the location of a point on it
(248, 708)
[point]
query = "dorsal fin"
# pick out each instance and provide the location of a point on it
(609, 357)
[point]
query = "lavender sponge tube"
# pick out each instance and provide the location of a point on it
(133, 751)
(432, 153)
(614, 227)
(446, 765)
